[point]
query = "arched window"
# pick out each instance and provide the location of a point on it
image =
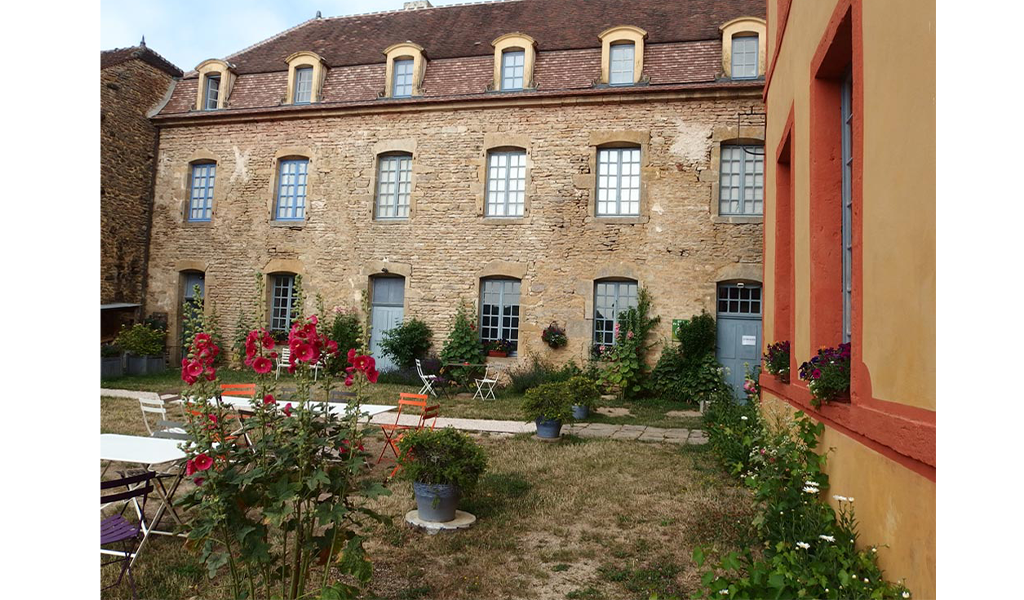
(282, 301)
(611, 297)
(622, 55)
(406, 64)
(306, 74)
(499, 311)
(514, 55)
(394, 185)
(214, 86)
(743, 49)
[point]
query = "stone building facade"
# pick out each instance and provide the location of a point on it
(679, 112)
(134, 83)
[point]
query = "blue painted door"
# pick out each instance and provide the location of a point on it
(386, 312)
(739, 331)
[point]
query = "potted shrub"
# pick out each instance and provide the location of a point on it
(828, 375)
(585, 394)
(554, 336)
(443, 464)
(549, 405)
(111, 361)
(145, 347)
(499, 348)
(776, 360)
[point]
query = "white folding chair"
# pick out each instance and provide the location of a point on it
(282, 361)
(152, 404)
(485, 386)
(428, 380)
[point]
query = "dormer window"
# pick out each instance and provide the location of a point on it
(514, 55)
(406, 64)
(401, 87)
(212, 93)
(303, 85)
(214, 87)
(622, 64)
(306, 74)
(622, 56)
(743, 48)
(512, 69)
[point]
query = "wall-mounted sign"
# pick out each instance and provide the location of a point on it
(749, 340)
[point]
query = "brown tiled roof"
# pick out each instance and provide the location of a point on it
(109, 58)
(468, 29)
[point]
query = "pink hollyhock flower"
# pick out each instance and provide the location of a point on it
(332, 346)
(268, 341)
(287, 409)
(261, 365)
(273, 355)
(199, 480)
(371, 375)
(212, 417)
(184, 362)
(313, 320)
(269, 399)
(371, 364)
(629, 334)
(362, 362)
(348, 381)
(188, 378)
(303, 352)
(202, 462)
(352, 355)
(211, 374)
(194, 368)
(190, 467)
(291, 369)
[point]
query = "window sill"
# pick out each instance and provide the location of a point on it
(637, 220)
(200, 224)
(504, 220)
(289, 224)
(390, 221)
(738, 220)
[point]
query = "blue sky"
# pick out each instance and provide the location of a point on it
(228, 26)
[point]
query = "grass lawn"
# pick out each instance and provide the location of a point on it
(583, 519)
(506, 406)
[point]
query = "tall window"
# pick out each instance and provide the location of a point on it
(401, 86)
(499, 311)
(282, 302)
(394, 173)
(303, 85)
(741, 184)
(744, 57)
(212, 93)
(291, 190)
(190, 280)
(847, 114)
(610, 299)
(618, 182)
(513, 65)
(506, 183)
(621, 68)
(200, 205)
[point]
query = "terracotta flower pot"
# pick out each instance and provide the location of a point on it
(497, 353)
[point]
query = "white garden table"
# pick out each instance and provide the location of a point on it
(145, 451)
(336, 408)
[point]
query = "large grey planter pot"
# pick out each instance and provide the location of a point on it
(580, 411)
(549, 429)
(155, 364)
(436, 503)
(111, 367)
(145, 365)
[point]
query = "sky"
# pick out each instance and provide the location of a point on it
(172, 30)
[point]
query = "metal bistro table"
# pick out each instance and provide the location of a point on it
(145, 451)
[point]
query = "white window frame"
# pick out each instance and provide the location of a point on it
(621, 62)
(623, 294)
(394, 187)
(513, 75)
(211, 94)
(507, 294)
(402, 70)
(744, 57)
(741, 173)
(610, 178)
(282, 302)
(506, 183)
(303, 85)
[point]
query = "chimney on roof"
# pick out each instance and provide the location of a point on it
(143, 42)
(318, 15)
(417, 4)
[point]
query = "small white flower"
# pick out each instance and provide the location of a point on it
(743, 418)
(803, 545)
(866, 580)
(811, 490)
(905, 594)
(827, 538)
(874, 549)
(724, 592)
(850, 499)
(814, 483)
(840, 498)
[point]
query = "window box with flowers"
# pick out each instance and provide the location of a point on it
(498, 348)
(828, 375)
(776, 360)
(554, 336)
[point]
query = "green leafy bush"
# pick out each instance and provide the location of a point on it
(626, 366)
(441, 456)
(347, 331)
(549, 401)
(698, 336)
(463, 344)
(407, 342)
(109, 350)
(688, 371)
(535, 371)
(141, 340)
(809, 550)
(584, 391)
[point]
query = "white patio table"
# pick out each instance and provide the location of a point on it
(336, 408)
(145, 451)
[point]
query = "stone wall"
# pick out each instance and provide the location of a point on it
(677, 247)
(128, 90)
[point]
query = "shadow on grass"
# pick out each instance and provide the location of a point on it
(499, 494)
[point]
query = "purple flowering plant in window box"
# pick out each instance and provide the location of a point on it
(776, 360)
(828, 374)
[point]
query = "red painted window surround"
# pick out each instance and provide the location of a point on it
(784, 281)
(903, 433)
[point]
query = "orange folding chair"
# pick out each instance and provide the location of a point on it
(393, 433)
(238, 390)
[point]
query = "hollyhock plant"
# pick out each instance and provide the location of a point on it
(828, 374)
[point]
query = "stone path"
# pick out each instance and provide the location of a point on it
(640, 433)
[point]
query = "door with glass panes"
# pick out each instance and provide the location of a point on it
(739, 331)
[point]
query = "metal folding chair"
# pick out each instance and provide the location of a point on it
(238, 390)
(154, 405)
(116, 529)
(428, 380)
(283, 356)
(485, 386)
(393, 433)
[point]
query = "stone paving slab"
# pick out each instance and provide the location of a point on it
(683, 414)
